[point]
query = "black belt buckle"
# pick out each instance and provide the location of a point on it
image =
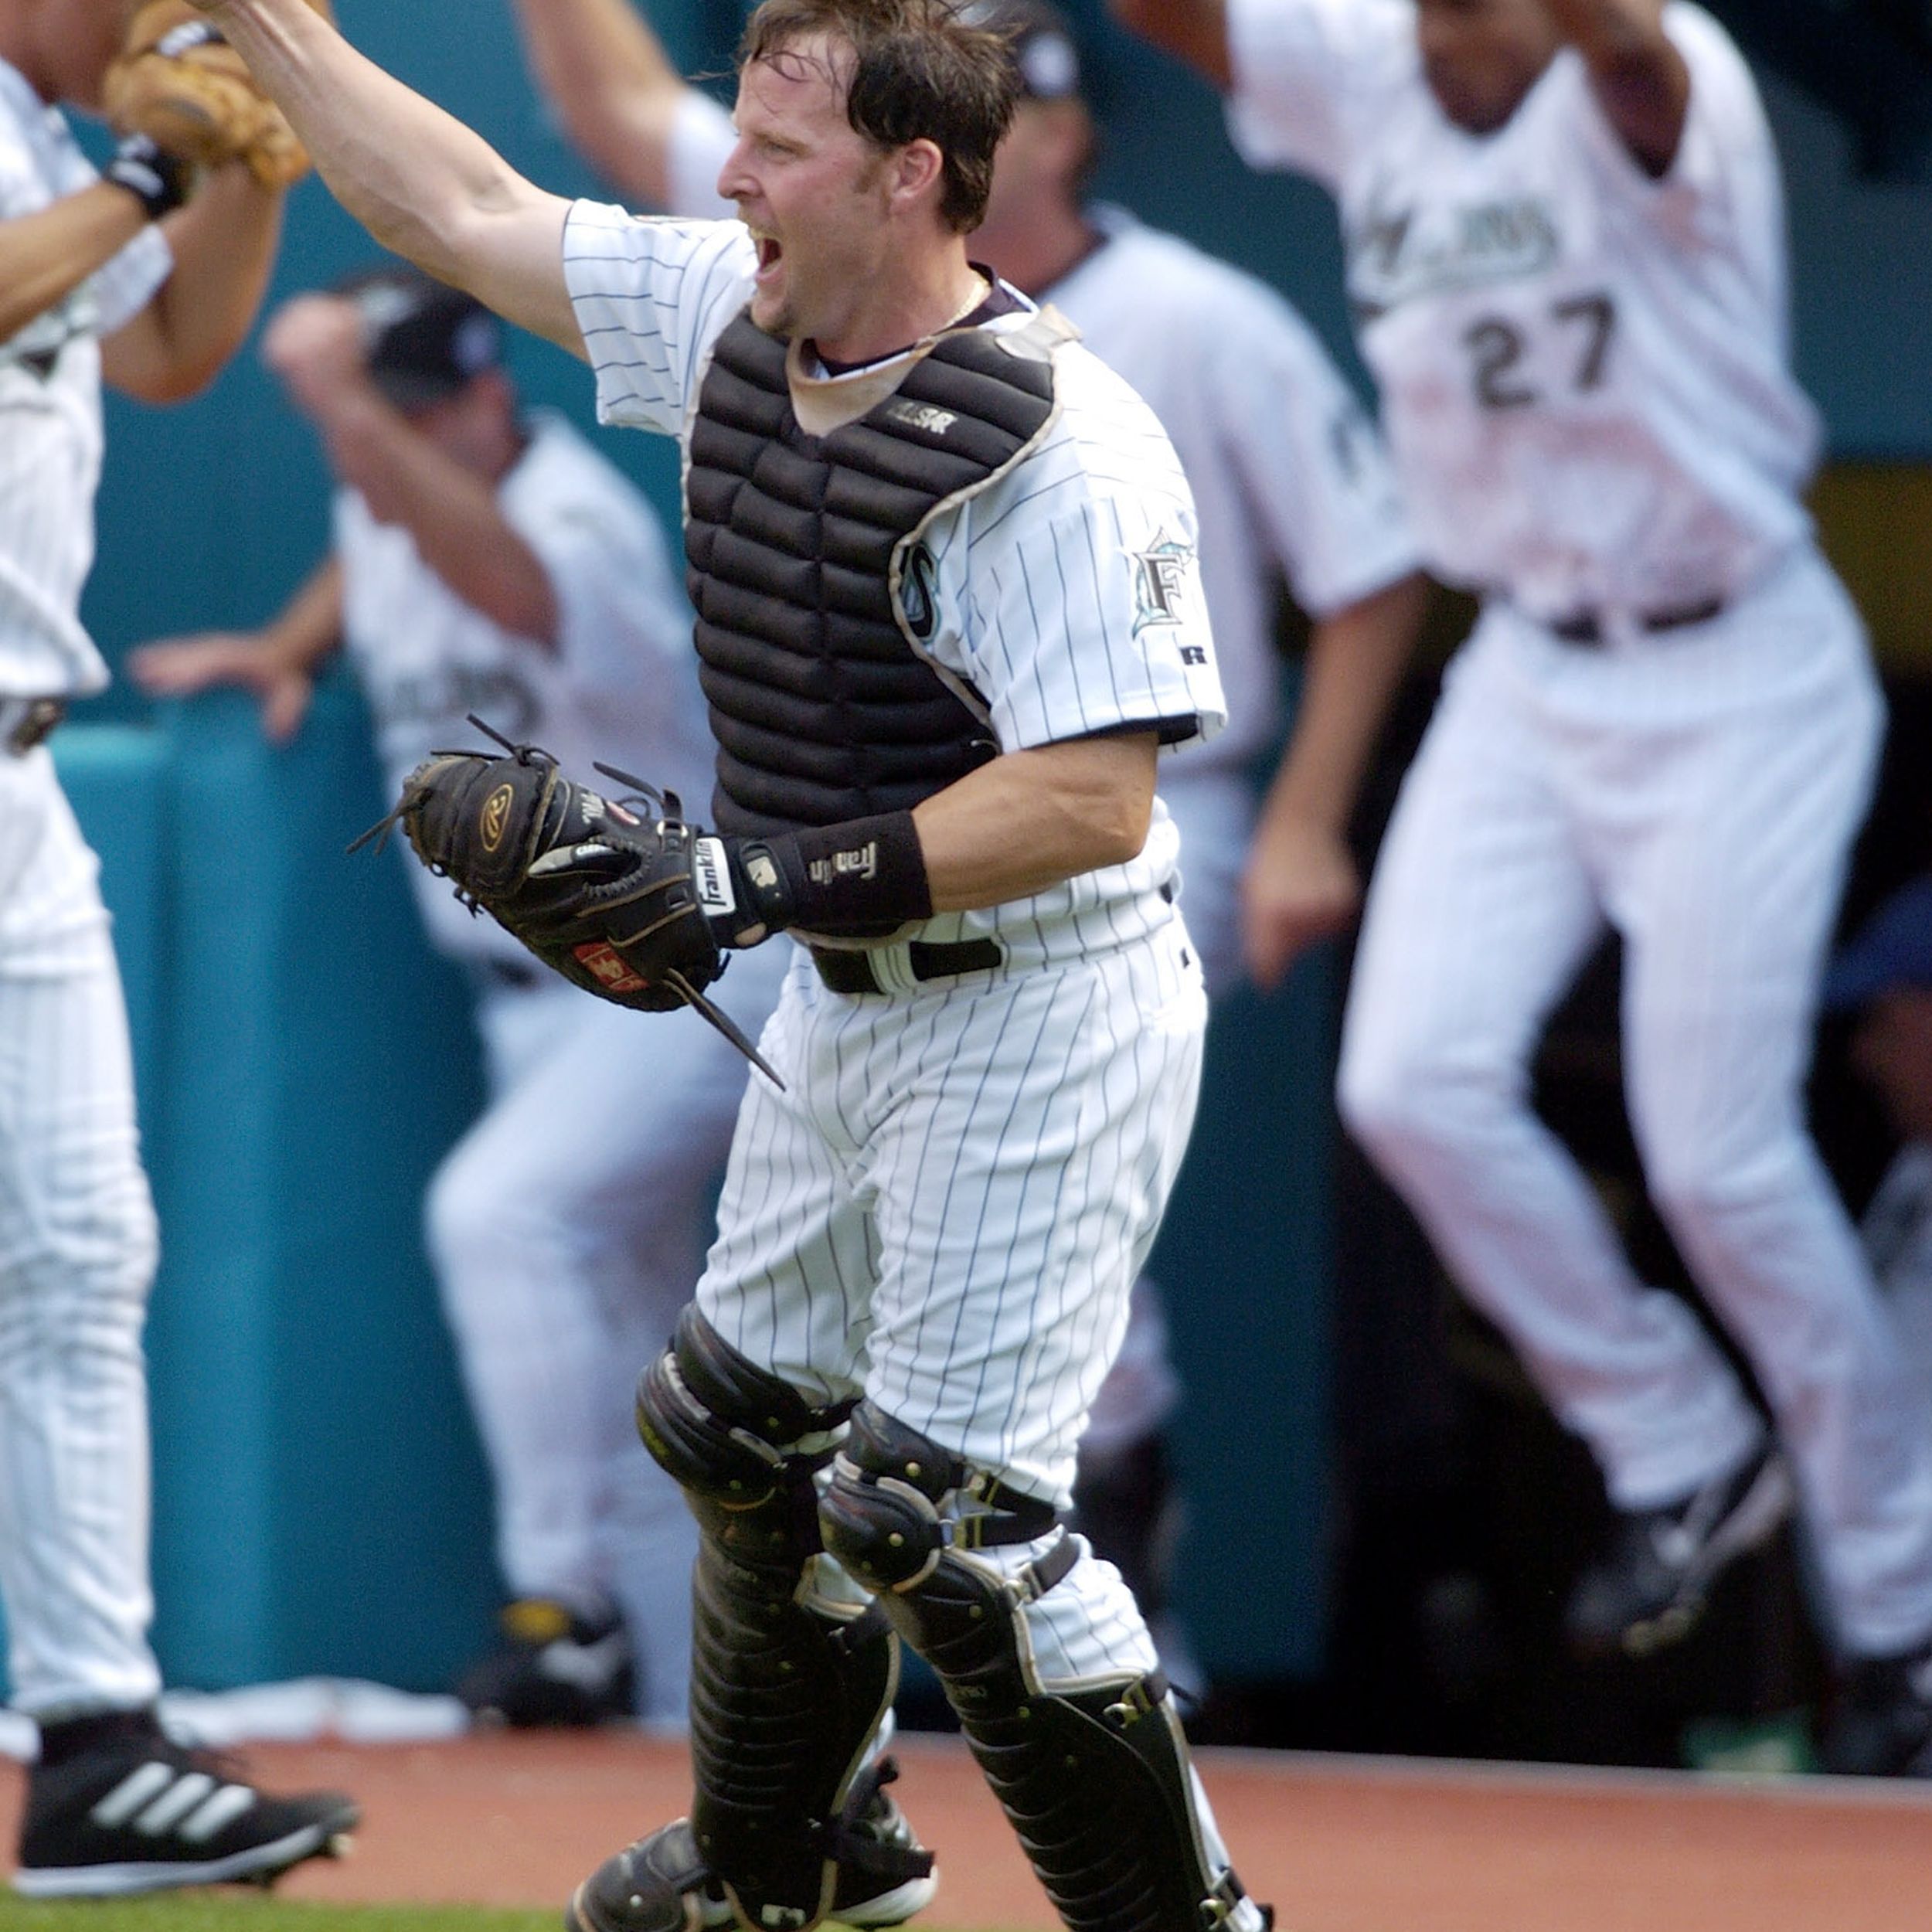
(35, 724)
(846, 969)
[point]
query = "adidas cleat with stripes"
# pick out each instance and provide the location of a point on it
(138, 1813)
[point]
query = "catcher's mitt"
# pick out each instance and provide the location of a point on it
(606, 895)
(179, 82)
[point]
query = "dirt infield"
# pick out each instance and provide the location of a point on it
(1339, 1845)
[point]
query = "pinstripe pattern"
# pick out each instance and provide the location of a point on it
(50, 438)
(1539, 810)
(946, 1207)
(77, 1225)
(76, 1254)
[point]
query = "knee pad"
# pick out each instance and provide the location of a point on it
(1095, 1780)
(744, 1445)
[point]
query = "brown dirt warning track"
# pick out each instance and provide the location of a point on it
(1340, 1844)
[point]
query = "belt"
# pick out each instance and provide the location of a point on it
(27, 722)
(846, 970)
(1586, 627)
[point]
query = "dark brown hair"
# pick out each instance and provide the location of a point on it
(918, 73)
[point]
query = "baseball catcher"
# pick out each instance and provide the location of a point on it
(180, 83)
(621, 896)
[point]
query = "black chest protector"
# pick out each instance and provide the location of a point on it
(812, 599)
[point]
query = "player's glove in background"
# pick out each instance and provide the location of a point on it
(179, 82)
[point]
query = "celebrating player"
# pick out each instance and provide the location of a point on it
(1562, 223)
(489, 561)
(109, 276)
(947, 609)
(1288, 475)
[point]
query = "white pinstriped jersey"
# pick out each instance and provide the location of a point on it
(1286, 466)
(1066, 592)
(620, 686)
(50, 431)
(1582, 370)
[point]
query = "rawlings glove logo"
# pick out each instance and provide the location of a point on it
(494, 820)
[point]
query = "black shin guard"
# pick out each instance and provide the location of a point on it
(1096, 1781)
(786, 1697)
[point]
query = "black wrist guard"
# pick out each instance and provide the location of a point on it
(156, 179)
(865, 875)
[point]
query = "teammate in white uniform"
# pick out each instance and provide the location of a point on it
(96, 277)
(979, 616)
(1563, 226)
(488, 563)
(1290, 480)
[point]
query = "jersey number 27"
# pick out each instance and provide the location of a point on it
(1496, 347)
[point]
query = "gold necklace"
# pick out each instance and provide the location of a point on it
(981, 289)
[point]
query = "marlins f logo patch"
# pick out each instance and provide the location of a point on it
(495, 817)
(1163, 575)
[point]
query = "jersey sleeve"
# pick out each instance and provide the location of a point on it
(651, 295)
(1089, 619)
(1311, 459)
(701, 141)
(1302, 70)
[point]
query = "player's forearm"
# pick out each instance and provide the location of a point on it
(1029, 819)
(309, 627)
(421, 182)
(606, 75)
(223, 244)
(1355, 662)
(46, 256)
(1638, 75)
(451, 513)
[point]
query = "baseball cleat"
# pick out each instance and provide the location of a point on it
(1647, 1587)
(140, 1813)
(662, 1884)
(552, 1667)
(1880, 1724)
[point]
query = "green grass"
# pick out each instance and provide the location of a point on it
(225, 1912)
(211, 1912)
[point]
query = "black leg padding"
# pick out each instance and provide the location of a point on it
(785, 1697)
(1096, 1781)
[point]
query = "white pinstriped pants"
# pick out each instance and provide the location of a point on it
(1699, 793)
(77, 1252)
(945, 1210)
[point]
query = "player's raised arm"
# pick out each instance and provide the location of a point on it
(421, 182)
(605, 72)
(1195, 31)
(1638, 75)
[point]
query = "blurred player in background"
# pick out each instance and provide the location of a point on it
(1563, 227)
(136, 278)
(489, 561)
(1290, 480)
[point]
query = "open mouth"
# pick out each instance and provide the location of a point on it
(770, 252)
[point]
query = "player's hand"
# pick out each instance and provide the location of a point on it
(1301, 887)
(179, 667)
(315, 344)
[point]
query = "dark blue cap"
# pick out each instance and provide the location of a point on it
(1893, 948)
